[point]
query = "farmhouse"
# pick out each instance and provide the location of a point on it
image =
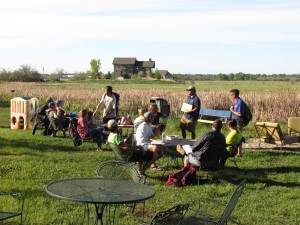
(164, 74)
(130, 66)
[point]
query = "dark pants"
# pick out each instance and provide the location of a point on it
(97, 135)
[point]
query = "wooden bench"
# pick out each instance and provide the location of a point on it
(209, 115)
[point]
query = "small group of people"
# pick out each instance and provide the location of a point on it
(53, 117)
(212, 145)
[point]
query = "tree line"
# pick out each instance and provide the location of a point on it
(26, 73)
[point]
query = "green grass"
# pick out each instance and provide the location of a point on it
(29, 162)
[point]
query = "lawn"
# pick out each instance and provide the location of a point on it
(29, 162)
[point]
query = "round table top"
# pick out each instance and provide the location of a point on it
(99, 191)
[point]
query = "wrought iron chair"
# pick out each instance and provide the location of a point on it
(121, 170)
(9, 215)
(199, 217)
(172, 216)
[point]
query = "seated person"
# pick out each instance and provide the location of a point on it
(43, 117)
(54, 115)
(84, 131)
(207, 148)
(143, 135)
(233, 139)
(157, 117)
(137, 152)
(139, 119)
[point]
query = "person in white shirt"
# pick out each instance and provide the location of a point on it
(143, 135)
(109, 102)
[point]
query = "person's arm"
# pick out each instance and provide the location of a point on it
(237, 110)
(196, 106)
(99, 105)
(126, 147)
(200, 142)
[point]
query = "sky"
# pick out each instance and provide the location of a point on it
(181, 36)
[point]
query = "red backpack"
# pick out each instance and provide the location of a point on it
(185, 176)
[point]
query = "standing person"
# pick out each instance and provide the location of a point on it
(84, 131)
(190, 117)
(109, 102)
(207, 148)
(238, 109)
(143, 135)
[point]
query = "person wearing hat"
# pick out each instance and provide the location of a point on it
(136, 153)
(143, 135)
(189, 119)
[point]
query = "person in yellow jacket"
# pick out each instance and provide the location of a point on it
(233, 140)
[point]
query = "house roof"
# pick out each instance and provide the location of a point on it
(163, 72)
(149, 64)
(124, 61)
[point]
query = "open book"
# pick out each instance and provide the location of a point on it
(187, 148)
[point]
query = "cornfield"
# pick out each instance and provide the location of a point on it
(265, 106)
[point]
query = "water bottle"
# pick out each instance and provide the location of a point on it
(163, 137)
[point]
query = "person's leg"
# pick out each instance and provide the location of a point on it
(192, 128)
(239, 150)
(147, 165)
(158, 151)
(96, 135)
(53, 125)
(224, 157)
(183, 127)
(192, 160)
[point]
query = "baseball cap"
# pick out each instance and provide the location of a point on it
(112, 124)
(191, 88)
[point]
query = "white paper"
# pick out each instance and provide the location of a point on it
(187, 148)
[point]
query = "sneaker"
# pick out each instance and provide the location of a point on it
(180, 150)
(99, 149)
(155, 167)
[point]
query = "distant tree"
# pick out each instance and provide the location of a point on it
(95, 68)
(80, 76)
(150, 74)
(57, 74)
(157, 75)
(26, 73)
(107, 75)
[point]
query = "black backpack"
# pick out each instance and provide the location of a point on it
(246, 116)
(117, 96)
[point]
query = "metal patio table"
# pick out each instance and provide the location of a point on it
(101, 193)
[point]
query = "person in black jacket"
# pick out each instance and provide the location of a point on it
(207, 148)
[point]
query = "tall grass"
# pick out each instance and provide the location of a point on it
(265, 105)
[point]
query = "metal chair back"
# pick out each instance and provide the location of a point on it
(232, 203)
(173, 215)
(119, 154)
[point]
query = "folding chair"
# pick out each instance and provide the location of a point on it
(294, 126)
(8, 215)
(172, 216)
(271, 133)
(200, 217)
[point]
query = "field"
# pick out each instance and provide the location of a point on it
(30, 162)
